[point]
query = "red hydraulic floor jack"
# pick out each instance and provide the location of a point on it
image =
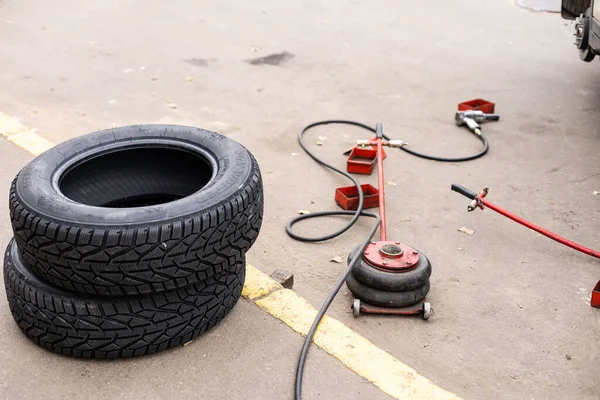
(390, 277)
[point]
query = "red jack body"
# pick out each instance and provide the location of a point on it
(388, 257)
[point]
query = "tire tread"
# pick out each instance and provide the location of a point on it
(105, 327)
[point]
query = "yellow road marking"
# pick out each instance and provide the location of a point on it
(258, 284)
(360, 355)
(357, 353)
(14, 131)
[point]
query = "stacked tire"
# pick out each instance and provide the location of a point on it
(131, 240)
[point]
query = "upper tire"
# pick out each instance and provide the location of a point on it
(137, 209)
(115, 327)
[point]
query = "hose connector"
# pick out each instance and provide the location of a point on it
(363, 143)
(477, 203)
(396, 143)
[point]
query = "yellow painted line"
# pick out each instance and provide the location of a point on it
(359, 354)
(26, 138)
(258, 284)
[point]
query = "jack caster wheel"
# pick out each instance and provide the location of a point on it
(426, 310)
(356, 308)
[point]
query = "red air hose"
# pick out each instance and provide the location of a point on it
(541, 230)
(480, 201)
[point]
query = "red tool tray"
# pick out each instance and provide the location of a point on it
(361, 161)
(347, 197)
(595, 300)
(478, 104)
(374, 138)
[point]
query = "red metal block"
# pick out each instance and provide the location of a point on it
(347, 197)
(478, 104)
(595, 301)
(417, 309)
(423, 309)
(361, 161)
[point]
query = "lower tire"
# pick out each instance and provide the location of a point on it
(383, 298)
(391, 281)
(115, 327)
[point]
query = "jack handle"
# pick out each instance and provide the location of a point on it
(464, 191)
(476, 198)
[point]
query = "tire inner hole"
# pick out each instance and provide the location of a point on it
(136, 177)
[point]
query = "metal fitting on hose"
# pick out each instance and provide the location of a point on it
(477, 203)
(396, 143)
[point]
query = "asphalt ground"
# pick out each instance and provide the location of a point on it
(512, 308)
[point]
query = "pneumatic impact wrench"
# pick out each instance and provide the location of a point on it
(471, 119)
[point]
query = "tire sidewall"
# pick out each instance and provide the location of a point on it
(37, 184)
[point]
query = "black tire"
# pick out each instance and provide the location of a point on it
(115, 327)
(386, 299)
(586, 53)
(391, 281)
(576, 7)
(67, 222)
